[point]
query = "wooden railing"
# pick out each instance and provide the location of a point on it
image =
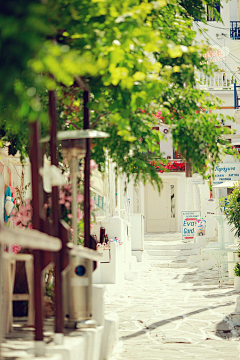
(236, 96)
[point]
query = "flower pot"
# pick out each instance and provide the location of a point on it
(237, 283)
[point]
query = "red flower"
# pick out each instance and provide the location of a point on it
(171, 166)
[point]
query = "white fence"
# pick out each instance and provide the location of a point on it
(223, 80)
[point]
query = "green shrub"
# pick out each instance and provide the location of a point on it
(231, 208)
(236, 269)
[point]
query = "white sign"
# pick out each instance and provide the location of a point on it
(212, 205)
(216, 54)
(226, 172)
(211, 208)
(189, 223)
(196, 181)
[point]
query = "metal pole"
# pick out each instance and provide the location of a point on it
(74, 173)
(87, 243)
(235, 96)
(89, 288)
(59, 317)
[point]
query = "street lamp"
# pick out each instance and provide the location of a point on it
(78, 280)
(74, 149)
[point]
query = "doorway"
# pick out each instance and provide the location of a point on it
(160, 209)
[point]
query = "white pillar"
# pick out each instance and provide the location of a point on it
(188, 194)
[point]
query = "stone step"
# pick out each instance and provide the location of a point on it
(169, 250)
(173, 252)
(173, 265)
(170, 246)
(195, 258)
(161, 238)
(168, 258)
(168, 261)
(163, 235)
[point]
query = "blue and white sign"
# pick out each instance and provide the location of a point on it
(189, 223)
(226, 172)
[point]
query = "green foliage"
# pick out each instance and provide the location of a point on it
(231, 208)
(197, 8)
(23, 28)
(236, 269)
(49, 284)
(134, 56)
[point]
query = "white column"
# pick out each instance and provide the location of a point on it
(188, 195)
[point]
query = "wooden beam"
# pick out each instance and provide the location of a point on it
(59, 316)
(35, 158)
(33, 239)
(81, 83)
(84, 252)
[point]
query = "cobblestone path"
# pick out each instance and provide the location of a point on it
(175, 313)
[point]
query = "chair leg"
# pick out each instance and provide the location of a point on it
(5, 296)
(29, 274)
(8, 285)
(12, 282)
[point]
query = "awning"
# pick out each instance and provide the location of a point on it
(226, 184)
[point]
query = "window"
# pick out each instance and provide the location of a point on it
(210, 12)
(172, 202)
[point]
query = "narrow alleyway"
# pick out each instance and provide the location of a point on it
(175, 310)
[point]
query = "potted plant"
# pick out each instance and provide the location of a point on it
(236, 270)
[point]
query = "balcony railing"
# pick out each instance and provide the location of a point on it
(236, 96)
(223, 80)
(235, 30)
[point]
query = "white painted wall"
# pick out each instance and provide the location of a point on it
(234, 11)
(235, 58)
(166, 146)
(218, 35)
(181, 181)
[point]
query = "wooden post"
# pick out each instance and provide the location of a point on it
(188, 169)
(35, 158)
(87, 241)
(59, 316)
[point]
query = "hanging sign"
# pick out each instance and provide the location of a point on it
(188, 223)
(197, 180)
(215, 54)
(226, 172)
(211, 206)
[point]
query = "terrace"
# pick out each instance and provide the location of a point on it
(222, 80)
(235, 30)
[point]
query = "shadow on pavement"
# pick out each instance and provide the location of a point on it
(175, 318)
(229, 293)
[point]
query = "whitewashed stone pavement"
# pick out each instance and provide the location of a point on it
(175, 312)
